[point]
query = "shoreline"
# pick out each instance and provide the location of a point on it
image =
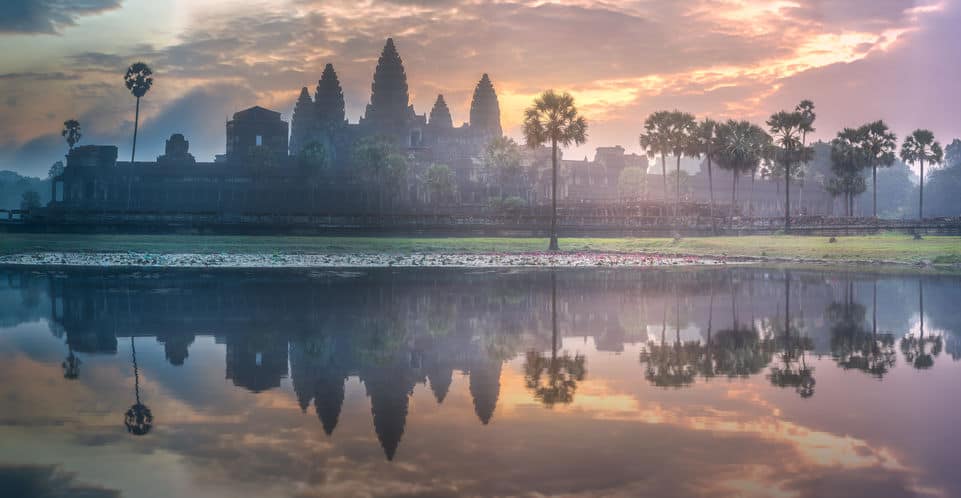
(374, 260)
(360, 260)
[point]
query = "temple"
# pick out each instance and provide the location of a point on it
(272, 171)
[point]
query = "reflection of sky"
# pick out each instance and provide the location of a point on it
(857, 436)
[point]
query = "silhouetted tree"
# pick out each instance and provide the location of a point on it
(379, 165)
(787, 129)
(553, 118)
(440, 183)
(683, 127)
(704, 142)
(502, 163)
(741, 147)
(879, 146)
(30, 200)
(920, 147)
(848, 159)
(71, 132)
(56, 169)
(138, 79)
(806, 108)
(655, 140)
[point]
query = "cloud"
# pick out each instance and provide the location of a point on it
(620, 59)
(48, 16)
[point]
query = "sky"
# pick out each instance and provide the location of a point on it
(858, 60)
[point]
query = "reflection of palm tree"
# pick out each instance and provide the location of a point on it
(138, 418)
(673, 365)
(852, 346)
(792, 370)
(915, 349)
(71, 365)
(553, 380)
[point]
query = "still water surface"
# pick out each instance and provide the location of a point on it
(674, 382)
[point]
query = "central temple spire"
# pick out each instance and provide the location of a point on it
(485, 112)
(389, 98)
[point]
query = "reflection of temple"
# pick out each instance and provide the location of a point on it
(392, 330)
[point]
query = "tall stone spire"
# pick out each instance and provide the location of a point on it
(329, 100)
(485, 112)
(440, 115)
(389, 99)
(303, 122)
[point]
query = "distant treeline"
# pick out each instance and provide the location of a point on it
(13, 186)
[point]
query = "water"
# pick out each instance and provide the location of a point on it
(674, 382)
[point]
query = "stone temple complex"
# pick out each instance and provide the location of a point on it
(269, 168)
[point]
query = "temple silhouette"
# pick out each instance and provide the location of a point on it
(268, 174)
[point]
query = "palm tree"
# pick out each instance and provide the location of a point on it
(654, 140)
(740, 148)
(553, 118)
(787, 129)
(704, 141)
(71, 132)
(879, 145)
(682, 128)
(848, 158)
(920, 147)
(138, 80)
(806, 108)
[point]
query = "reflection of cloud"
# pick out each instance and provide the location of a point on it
(42, 481)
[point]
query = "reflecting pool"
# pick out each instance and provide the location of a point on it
(727, 381)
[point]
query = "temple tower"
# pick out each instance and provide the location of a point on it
(303, 122)
(485, 112)
(329, 100)
(440, 115)
(389, 111)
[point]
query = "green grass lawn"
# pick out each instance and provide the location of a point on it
(886, 247)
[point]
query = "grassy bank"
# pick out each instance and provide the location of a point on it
(885, 247)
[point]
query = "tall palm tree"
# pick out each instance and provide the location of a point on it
(878, 145)
(704, 140)
(654, 139)
(921, 147)
(740, 148)
(138, 80)
(682, 127)
(71, 132)
(806, 108)
(553, 118)
(787, 129)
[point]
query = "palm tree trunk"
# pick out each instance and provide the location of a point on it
(874, 188)
(664, 174)
(677, 186)
(553, 246)
(750, 208)
(133, 152)
(710, 188)
(787, 197)
(921, 194)
(733, 192)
